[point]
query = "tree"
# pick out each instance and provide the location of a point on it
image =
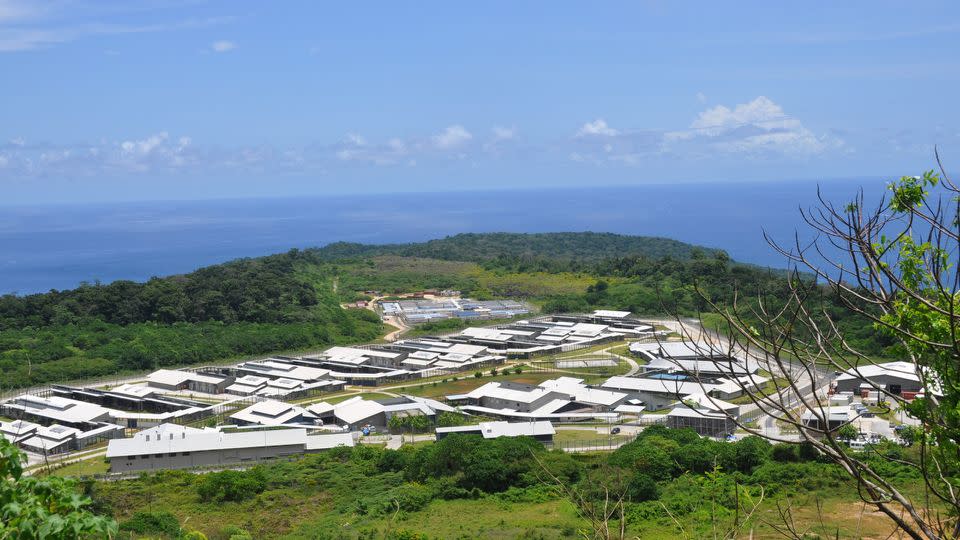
(889, 266)
(847, 433)
(48, 508)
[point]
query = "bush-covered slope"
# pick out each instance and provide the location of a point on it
(584, 246)
(243, 307)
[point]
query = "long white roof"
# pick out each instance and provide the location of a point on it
(574, 387)
(278, 369)
(492, 430)
(174, 377)
(356, 409)
(902, 370)
(611, 314)
(688, 412)
(676, 349)
(662, 386)
(60, 408)
(270, 413)
(498, 391)
(18, 429)
(703, 401)
(209, 440)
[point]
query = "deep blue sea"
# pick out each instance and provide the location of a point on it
(57, 247)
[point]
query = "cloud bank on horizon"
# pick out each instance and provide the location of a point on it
(144, 99)
(758, 129)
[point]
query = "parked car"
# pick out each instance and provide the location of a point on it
(614, 431)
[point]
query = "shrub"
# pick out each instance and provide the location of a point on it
(233, 486)
(642, 488)
(785, 452)
(152, 523)
(644, 455)
(749, 452)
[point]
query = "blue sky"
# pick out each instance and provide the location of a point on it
(191, 99)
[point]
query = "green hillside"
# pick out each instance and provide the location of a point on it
(291, 301)
(583, 246)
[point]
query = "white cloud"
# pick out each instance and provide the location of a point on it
(452, 137)
(223, 46)
(14, 10)
(759, 112)
(356, 148)
(701, 97)
(598, 127)
(758, 126)
(144, 146)
(501, 133)
(356, 140)
(40, 33)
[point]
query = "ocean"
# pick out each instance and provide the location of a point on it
(58, 247)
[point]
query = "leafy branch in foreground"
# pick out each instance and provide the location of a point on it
(894, 265)
(48, 507)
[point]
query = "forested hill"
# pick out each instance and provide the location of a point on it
(563, 247)
(291, 301)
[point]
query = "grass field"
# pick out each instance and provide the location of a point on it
(366, 395)
(86, 467)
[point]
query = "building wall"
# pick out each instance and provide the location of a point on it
(498, 403)
(853, 385)
(710, 427)
(377, 420)
(185, 460)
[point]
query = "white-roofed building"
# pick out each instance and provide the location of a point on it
(834, 417)
(663, 389)
(704, 421)
(18, 430)
(611, 314)
(56, 410)
(177, 447)
(894, 377)
(703, 401)
(563, 398)
(175, 379)
(356, 412)
(540, 430)
(273, 413)
(280, 369)
(507, 395)
(247, 385)
(577, 391)
(57, 439)
(133, 390)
